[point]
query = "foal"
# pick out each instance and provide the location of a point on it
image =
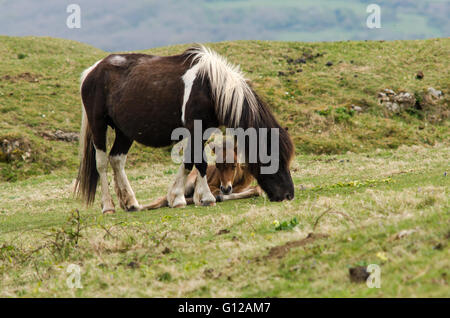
(227, 181)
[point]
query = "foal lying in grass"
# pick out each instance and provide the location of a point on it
(227, 181)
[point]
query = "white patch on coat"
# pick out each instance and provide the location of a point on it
(102, 168)
(188, 80)
(117, 60)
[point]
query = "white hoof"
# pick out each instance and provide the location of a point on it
(178, 202)
(207, 199)
(108, 208)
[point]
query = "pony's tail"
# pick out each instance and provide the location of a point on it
(86, 183)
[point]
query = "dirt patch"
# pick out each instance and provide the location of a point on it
(282, 250)
(133, 265)
(223, 231)
(166, 251)
(304, 58)
(358, 274)
(402, 234)
(28, 77)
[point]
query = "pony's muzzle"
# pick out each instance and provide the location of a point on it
(226, 190)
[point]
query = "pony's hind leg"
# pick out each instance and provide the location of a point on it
(117, 158)
(102, 168)
(99, 129)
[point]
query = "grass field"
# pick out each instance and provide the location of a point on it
(234, 249)
(371, 187)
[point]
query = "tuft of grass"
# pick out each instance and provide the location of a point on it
(165, 277)
(426, 202)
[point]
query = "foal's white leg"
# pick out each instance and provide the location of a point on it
(102, 166)
(252, 192)
(202, 193)
(124, 191)
(175, 196)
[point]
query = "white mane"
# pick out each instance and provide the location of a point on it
(228, 84)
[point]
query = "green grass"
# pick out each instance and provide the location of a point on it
(360, 180)
(48, 98)
(179, 252)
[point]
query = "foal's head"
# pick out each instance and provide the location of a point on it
(227, 168)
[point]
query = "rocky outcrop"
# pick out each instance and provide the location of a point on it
(14, 150)
(396, 102)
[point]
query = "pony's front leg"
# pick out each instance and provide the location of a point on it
(202, 193)
(175, 196)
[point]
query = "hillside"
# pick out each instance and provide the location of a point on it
(39, 95)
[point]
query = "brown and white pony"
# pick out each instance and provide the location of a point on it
(227, 181)
(145, 97)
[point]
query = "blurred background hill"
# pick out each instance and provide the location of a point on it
(117, 25)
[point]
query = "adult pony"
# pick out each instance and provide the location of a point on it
(145, 97)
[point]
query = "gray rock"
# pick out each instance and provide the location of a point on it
(357, 108)
(396, 102)
(435, 93)
(393, 107)
(388, 91)
(406, 100)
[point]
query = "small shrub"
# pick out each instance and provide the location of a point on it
(342, 114)
(287, 225)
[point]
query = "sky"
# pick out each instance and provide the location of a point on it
(117, 25)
